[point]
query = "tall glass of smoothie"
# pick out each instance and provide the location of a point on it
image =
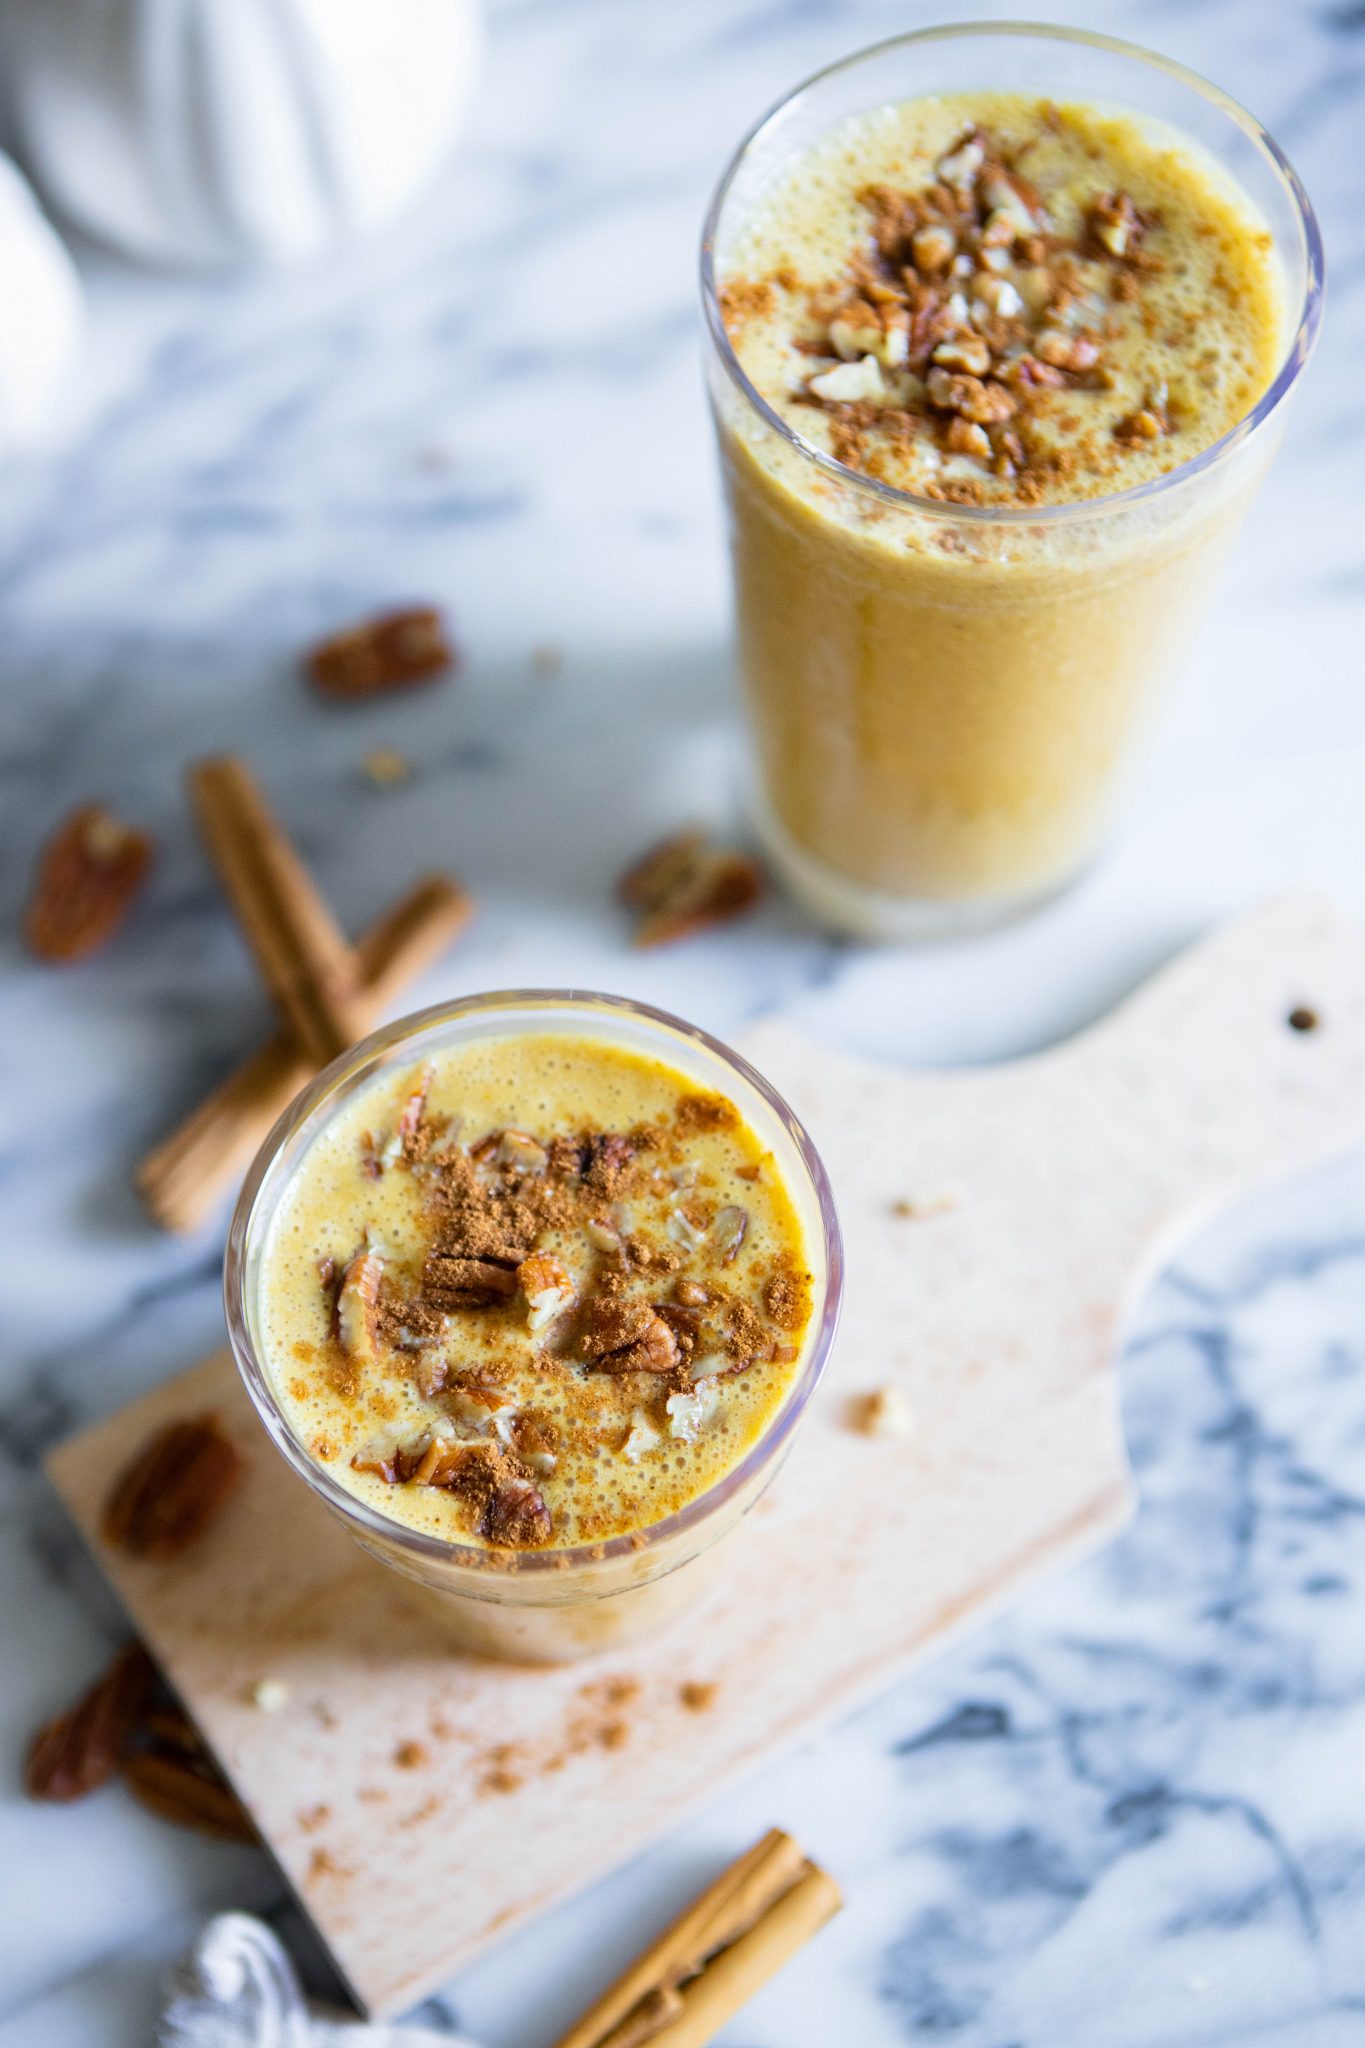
(1002, 321)
(532, 1290)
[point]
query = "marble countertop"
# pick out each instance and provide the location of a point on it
(1133, 1812)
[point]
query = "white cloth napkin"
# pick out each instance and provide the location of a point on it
(237, 1989)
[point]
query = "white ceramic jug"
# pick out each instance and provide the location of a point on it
(42, 317)
(236, 131)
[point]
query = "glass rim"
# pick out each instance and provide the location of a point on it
(499, 1564)
(1298, 348)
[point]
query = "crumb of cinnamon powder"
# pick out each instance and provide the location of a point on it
(696, 1696)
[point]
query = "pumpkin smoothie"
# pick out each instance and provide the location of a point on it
(530, 1295)
(958, 336)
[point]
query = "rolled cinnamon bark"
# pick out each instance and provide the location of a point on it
(298, 945)
(716, 1954)
(182, 1176)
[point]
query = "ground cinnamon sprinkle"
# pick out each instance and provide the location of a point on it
(698, 1697)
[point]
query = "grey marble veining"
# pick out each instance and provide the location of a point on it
(1134, 1811)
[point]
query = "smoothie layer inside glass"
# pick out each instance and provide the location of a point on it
(537, 1292)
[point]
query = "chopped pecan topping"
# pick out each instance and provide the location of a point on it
(685, 885)
(357, 1305)
(509, 1508)
(535, 1441)
(984, 403)
(516, 1516)
(391, 652)
(626, 1335)
(728, 1232)
(410, 1120)
(548, 1286)
(962, 309)
(81, 1749)
(91, 872)
(168, 1495)
(520, 1151)
(607, 1158)
(453, 1282)
(1116, 225)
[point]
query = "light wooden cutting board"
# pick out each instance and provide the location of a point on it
(421, 1803)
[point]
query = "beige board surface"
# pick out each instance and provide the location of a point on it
(392, 1781)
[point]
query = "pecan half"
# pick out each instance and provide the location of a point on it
(80, 1750)
(516, 1516)
(685, 885)
(626, 1336)
(88, 878)
(189, 1793)
(169, 1493)
(393, 651)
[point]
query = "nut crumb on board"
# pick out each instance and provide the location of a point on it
(697, 1696)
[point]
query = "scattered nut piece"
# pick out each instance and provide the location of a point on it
(81, 1749)
(697, 1696)
(385, 766)
(884, 1412)
(171, 1491)
(393, 651)
(684, 885)
(88, 878)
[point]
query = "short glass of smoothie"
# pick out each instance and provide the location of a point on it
(1002, 319)
(532, 1290)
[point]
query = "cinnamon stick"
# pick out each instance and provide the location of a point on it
(299, 947)
(751, 1920)
(745, 1967)
(182, 1176)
